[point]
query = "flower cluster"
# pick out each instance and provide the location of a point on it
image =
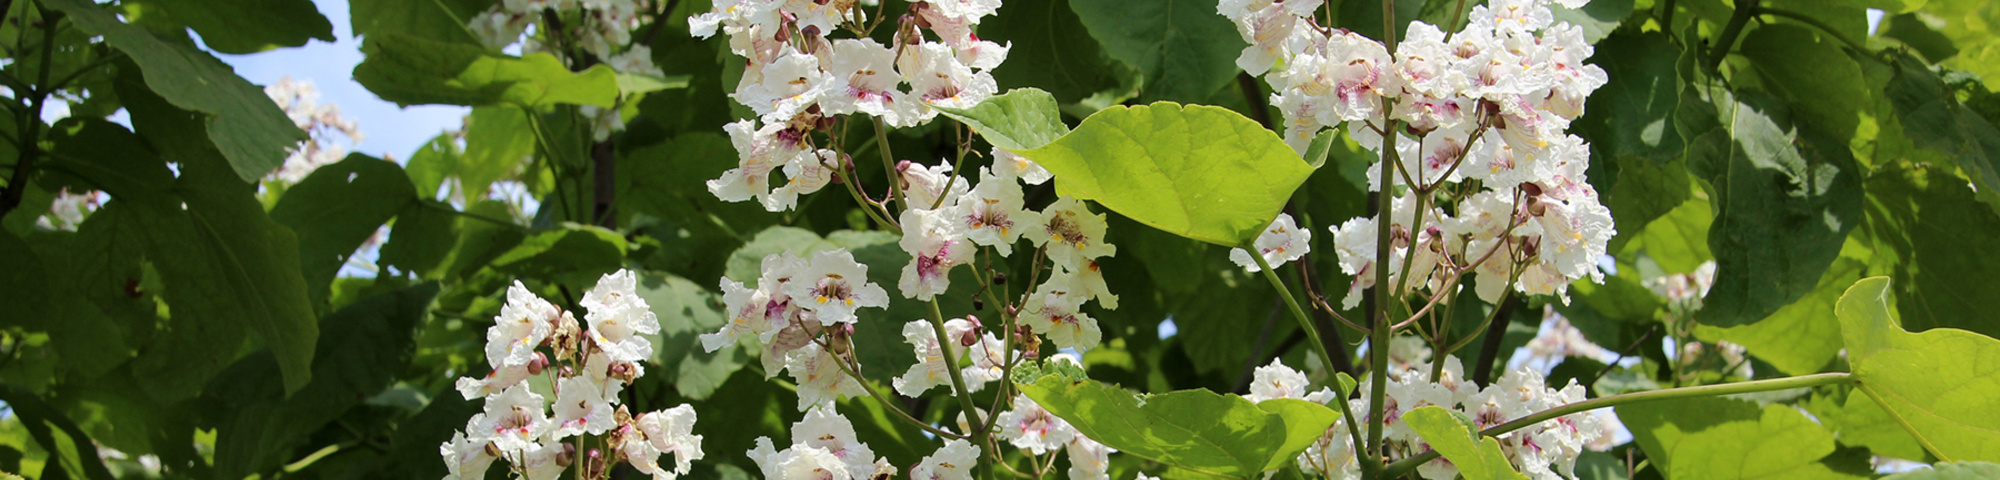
(321, 121)
(799, 80)
(1544, 451)
(802, 313)
(586, 369)
(1479, 115)
(601, 31)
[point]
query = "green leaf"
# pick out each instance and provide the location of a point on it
(1645, 192)
(1912, 31)
(251, 26)
(1455, 437)
(1201, 172)
(1071, 65)
(421, 238)
(1933, 222)
(245, 125)
(78, 280)
(1630, 116)
(72, 454)
(1801, 338)
(1598, 18)
(1951, 471)
(1720, 438)
(410, 70)
(686, 311)
(1196, 430)
(1933, 119)
(338, 207)
(226, 265)
(639, 83)
(1182, 49)
(573, 254)
(442, 20)
(1859, 421)
(1322, 145)
(366, 345)
(1939, 384)
(498, 140)
(1021, 119)
(1785, 195)
(410, 452)
(1818, 79)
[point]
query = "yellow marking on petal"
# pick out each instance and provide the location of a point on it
(822, 299)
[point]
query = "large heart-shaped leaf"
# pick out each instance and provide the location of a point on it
(1198, 171)
(1021, 119)
(1939, 384)
(1194, 430)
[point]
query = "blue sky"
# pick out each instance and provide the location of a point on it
(389, 130)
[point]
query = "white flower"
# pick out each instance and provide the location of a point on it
(1008, 165)
(924, 185)
(494, 381)
(524, 321)
(512, 421)
(1056, 314)
(466, 458)
(971, 10)
(989, 355)
(749, 316)
(819, 379)
(619, 319)
(936, 244)
(759, 151)
(823, 428)
(1089, 460)
(654, 433)
(584, 406)
(833, 286)
(1029, 427)
(798, 463)
(498, 29)
(1280, 242)
(991, 214)
(1276, 381)
(1071, 234)
(788, 86)
(1084, 284)
(541, 462)
(1275, 30)
(865, 81)
(938, 77)
(932, 368)
(805, 173)
(637, 59)
(953, 462)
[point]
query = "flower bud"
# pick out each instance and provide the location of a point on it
(1531, 189)
(625, 371)
(839, 339)
(492, 450)
(566, 371)
(978, 304)
(537, 364)
(596, 464)
(568, 455)
(999, 279)
(971, 335)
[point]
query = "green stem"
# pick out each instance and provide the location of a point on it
(1381, 329)
(1406, 465)
(888, 162)
(951, 367)
(891, 406)
(1744, 10)
(1312, 335)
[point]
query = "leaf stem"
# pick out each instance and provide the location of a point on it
(1744, 10)
(1406, 465)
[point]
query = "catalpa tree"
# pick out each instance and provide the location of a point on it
(1047, 239)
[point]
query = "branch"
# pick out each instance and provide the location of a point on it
(1744, 10)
